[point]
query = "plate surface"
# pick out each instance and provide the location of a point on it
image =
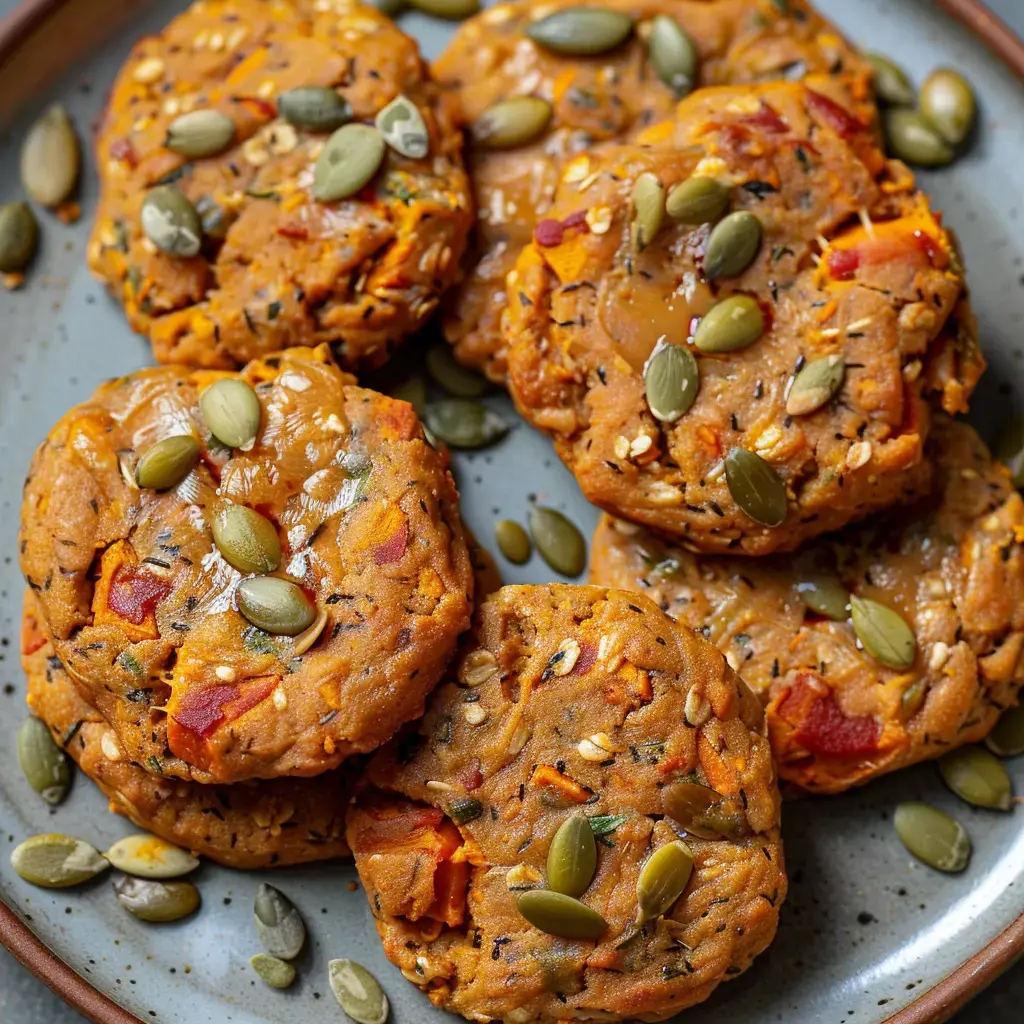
(866, 930)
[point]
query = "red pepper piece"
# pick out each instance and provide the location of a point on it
(392, 549)
(824, 729)
(768, 119)
(843, 263)
(836, 117)
(549, 232)
(134, 594)
(201, 711)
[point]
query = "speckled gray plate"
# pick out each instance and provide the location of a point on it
(866, 930)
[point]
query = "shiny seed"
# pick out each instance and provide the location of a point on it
(404, 129)
(452, 376)
(464, 811)
(513, 541)
(349, 160)
(19, 237)
(278, 923)
(701, 812)
(932, 836)
(756, 487)
(581, 30)
(662, 879)
(171, 222)
(671, 381)
(698, 200)
(558, 540)
(212, 217)
(452, 10)
(978, 777)
(817, 383)
(648, 210)
(50, 158)
(1009, 449)
(912, 139)
(883, 633)
(510, 123)
(315, 108)
(276, 973)
(947, 104)
(147, 856)
(732, 245)
(159, 902)
(1007, 737)
(824, 595)
(247, 540)
(892, 86)
(734, 323)
(412, 390)
(358, 992)
(392, 8)
(42, 762)
(200, 133)
(55, 862)
(673, 54)
(561, 915)
(168, 462)
(231, 409)
(912, 698)
(277, 606)
(572, 856)
(463, 423)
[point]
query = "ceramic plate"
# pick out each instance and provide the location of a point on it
(866, 931)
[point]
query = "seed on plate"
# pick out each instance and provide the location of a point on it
(512, 122)
(581, 30)
(50, 158)
(56, 861)
(278, 923)
(412, 390)
(167, 463)
(231, 409)
(946, 102)
(392, 8)
(358, 992)
(892, 86)
(19, 237)
(403, 128)
(912, 698)
(148, 856)
(1007, 737)
(463, 811)
(1009, 449)
(513, 541)
(276, 606)
(155, 901)
(455, 378)
(43, 763)
(756, 487)
(572, 856)
(698, 200)
(817, 383)
(732, 324)
(911, 138)
(648, 202)
(275, 972)
(247, 540)
(349, 160)
(561, 915)
(977, 776)
(464, 423)
(825, 595)
(200, 133)
(558, 540)
(662, 879)
(732, 245)
(671, 381)
(673, 54)
(883, 633)
(932, 836)
(171, 222)
(450, 10)
(315, 108)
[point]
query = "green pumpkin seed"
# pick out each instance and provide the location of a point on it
(404, 129)
(561, 915)
(159, 902)
(349, 160)
(912, 698)
(171, 222)
(648, 210)
(572, 856)
(276, 606)
(883, 633)
(732, 324)
(909, 137)
(315, 108)
(358, 992)
(817, 383)
(671, 381)
(278, 923)
(673, 54)
(212, 217)
(756, 487)
(168, 462)
(558, 540)
(824, 595)
(276, 973)
(1009, 449)
(147, 856)
(200, 133)
(701, 812)
(947, 104)
(978, 777)
(392, 8)
(247, 540)
(55, 862)
(412, 390)
(43, 763)
(662, 879)
(451, 10)
(513, 122)
(892, 86)
(19, 237)
(581, 30)
(463, 423)
(456, 379)
(698, 200)
(513, 541)
(732, 245)
(932, 836)
(231, 409)
(1007, 737)
(50, 158)
(465, 810)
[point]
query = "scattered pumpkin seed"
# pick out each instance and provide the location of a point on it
(1009, 448)
(171, 222)
(168, 462)
(662, 879)
(756, 487)
(231, 409)
(358, 992)
(247, 540)
(200, 133)
(581, 30)
(561, 915)
(824, 595)
(275, 605)
(673, 54)
(451, 375)
(465, 810)
(892, 86)
(1007, 737)
(276, 973)
(883, 633)
(701, 811)
(148, 856)
(50, 158)
(912, 698)
(946, 102)
(19, 237)
(349, 160)
(732, 245)
(315, 108)
(817, 382)
(155, 901)
(698, 200)
(450, 10)
(732, 324)
(392, 8)
(932, 836)
(404, 129)
(911, 138)
(648, 210)
(464, 423)
(55, 861)
(512, 122)
(572, 856)
(278, 923)
(513, 541)
(558, 540)
(412, 390)
(977, 776)
(43, 763)
(671, 381)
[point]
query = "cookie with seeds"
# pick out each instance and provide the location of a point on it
(584, 825)
(274, 175)
(935, 648)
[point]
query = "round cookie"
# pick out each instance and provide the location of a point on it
(569, 701)
(605, 97)
(851, 267)
(277, 266)
(952, 565)
(142, 604)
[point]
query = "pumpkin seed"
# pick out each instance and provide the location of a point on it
(50, 158)
(276, 606)
(200, 133)
(912, 698)
(358, 992)
(947, 104)
(558, 540)
(977, 776)
(392, 8)
(1009, 449)
(572, 856)
(732, 245)
(892, 86)
(412, 390)
(55, 862)
(456, 379)
(513, 541)
(701, 811)
(168, 462)
(513, 122)
(662, 879)
(648, 210)
(147, 856)
(171, 222)
(824, 595)
(932, 836)
(43, 763)
(349, 160)
(698, 200)
(817, 383)
(465, 810)
(404, 129)
(463, 423)
(276, 973)
(154, 901)
(756, 487)
(561, 915)
(673, 54)
(315, 108)
(883, 633)
(278, 923)
(451, 10)
(581, 30)
(212, 217)
(732, 324)
(671, 381)
(912, 139)
(1007, 737)
(247, 540)
(231, 409)
(19, 237)
(305, 640)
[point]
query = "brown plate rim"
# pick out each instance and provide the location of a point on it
(936, 1005)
